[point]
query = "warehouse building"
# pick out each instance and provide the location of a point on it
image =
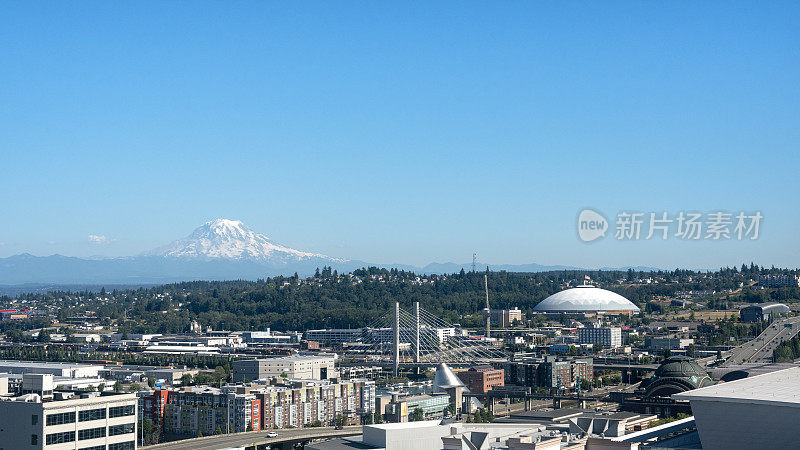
(762, 311)
(296, 367)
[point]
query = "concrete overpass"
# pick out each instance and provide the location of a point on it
(760, 349)
(285, 440)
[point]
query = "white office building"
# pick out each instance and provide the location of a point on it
(60, 420)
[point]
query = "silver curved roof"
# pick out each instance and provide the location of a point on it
(445, 378)
(585, 299)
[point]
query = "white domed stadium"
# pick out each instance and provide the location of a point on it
(586, 299)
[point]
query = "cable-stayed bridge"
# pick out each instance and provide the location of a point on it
(417, 336)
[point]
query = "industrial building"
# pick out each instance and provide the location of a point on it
(52, 368)
(755, 412)
(762, 311)
(586, 299)
(296, 367)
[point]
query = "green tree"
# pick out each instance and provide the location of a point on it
(186, 379)
(44, 336)
(416, 415)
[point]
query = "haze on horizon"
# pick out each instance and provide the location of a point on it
(405, 133)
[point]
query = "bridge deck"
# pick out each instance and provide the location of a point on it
(251, 438)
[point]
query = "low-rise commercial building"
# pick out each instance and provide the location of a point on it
(667, 343)
(401, 409)
(480, 380)
(296, 367)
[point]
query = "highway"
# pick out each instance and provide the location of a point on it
(760, 349)
(251, 438)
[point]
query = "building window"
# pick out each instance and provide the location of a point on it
(120, 411)
(122, 446)
(94, 447)
(91, 414)
(34, 419)
(116, 430)
(60, 438)
(60, 418)
(34, 439)
(91, 433)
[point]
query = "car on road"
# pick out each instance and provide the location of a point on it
(272, 434)
(339, 427)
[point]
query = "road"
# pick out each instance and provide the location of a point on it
(256, 437)
(760, 349)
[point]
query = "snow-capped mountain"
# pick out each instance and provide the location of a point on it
(231, 239)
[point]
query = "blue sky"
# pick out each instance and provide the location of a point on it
(399, 132)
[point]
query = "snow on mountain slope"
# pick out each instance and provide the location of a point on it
(231, 239)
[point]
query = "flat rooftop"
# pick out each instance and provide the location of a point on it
(48, 365)
(780, 388)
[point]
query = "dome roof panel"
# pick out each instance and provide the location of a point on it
(585, 298)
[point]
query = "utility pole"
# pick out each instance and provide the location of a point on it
(396, 338)
(488, 310)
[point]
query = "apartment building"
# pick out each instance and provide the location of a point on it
(776, 281)
(203, 410)
(297, 403)
(300, 403)
(549, 372)
(610, 337)
(504, 318)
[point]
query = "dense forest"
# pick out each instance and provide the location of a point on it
(331, 300)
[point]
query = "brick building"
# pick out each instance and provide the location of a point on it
(482, 379)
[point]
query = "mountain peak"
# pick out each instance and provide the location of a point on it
(232, 239)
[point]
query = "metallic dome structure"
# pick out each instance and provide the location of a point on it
(676, 374)
(586, 299)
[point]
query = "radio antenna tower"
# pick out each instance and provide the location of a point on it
(488, 310)
(474, 261)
